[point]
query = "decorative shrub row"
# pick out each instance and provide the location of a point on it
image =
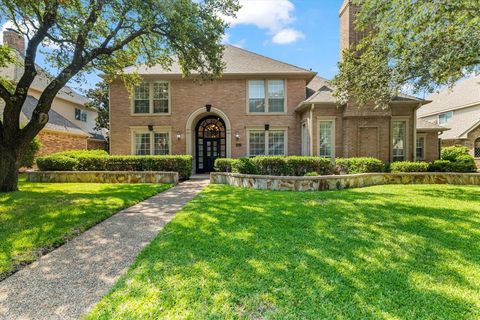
(86, 161)
(358, 165)
(454, 159)
(409, 166)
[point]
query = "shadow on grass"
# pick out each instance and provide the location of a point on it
(384, 252)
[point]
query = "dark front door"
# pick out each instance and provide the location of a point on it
(210, 143)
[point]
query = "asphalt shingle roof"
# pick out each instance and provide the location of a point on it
(429, 126)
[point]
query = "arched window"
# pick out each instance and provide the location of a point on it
(477, 148)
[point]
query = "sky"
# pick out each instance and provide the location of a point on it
(304, 33)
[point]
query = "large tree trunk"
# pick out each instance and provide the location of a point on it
(9, 165)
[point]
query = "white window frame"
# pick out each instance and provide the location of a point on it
(304, 138)
(150, 100)
(424, 147)
(407, 133)
(156, 129)
(284, 129)
(265, 87)
(444, 113)
(332, 120)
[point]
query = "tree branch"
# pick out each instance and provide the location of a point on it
(4, 93)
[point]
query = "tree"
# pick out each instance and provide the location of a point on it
(106, 35)
(99, 100)
(419, 45)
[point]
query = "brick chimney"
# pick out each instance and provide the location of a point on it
(348, 35)
(14, 40)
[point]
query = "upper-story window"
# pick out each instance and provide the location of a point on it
(445, 117)
(266, 96)
(151, 97)
(80, 115)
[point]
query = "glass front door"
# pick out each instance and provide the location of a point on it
(210, 143)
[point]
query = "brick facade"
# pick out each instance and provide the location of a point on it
(96, 145)
(469, 142)
(56, 142)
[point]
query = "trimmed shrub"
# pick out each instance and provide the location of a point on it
(409, 166)
(454, 159)
(453, 153)
(28, 158)
(440, 166)
(57, 163)
(311, 174)
(358, 165)
(81, 153)
(91, 163)
(464, 163)
(271, 165)
(224, 164)
(244, 166)
(299, 166)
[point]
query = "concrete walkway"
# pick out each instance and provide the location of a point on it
(69, 281)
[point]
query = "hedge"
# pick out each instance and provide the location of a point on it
(409, 166)
(358, 165)
(299, 166)
(244, 166)
(454, 159)
(224, 164)
(97, 161)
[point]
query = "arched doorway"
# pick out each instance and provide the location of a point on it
(210, 142)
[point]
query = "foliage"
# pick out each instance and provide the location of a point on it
(454, 159)
(409, 166)
(299, 166)
(28, 158)
(98, 161)
(271, 165)
(421, 45)
(311, 174)
(383, 252)
(358, 165)
(45, 215)
(224, 164)
(244, 166)
(99, 100)
(453, 153)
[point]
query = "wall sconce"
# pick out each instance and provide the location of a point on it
(237, 135)
(150, 127)
(208, 107)
(267, 127)
(179, 135)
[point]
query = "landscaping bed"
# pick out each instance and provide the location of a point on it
(42, 216)
(400, 252)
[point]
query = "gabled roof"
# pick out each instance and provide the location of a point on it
(237, 62)
(56, 122)
(424, 125)
(460, 125)
(464, 94)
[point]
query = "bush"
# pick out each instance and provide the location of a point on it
(440, 166)
(409, 166)
(299, 166)
(224, 164)
(358, 165)
(311, 174)
(244, 166)
(453, 153)
(454, 159)
(81, 153)
(271, 165)
(28, 158)
(91, 163)
(57, 163)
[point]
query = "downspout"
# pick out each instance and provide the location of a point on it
(310, 129)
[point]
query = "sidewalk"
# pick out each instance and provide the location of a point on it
(69, 281)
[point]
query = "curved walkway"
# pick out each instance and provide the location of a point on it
(67, 282)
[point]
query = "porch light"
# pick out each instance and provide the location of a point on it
(237, 135)
(267, 127)
(208, 107)
(179, 135)
(150, 127)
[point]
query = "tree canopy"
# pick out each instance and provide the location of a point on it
(414, 45)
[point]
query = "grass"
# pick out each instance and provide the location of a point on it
(42, 216)
(386, 252)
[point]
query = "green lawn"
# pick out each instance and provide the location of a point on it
(42, 216)
(386, 252)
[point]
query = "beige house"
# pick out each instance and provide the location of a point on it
(71, 124)
(457, 109)
(261, 106)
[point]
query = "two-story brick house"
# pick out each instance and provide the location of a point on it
(260, 106)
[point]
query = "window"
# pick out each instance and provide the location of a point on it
(399, 134)
(266, 96)
(267, 143)
(445, 117)
(420, 148)
(80, 115)
(151, 97)
(84, 117)
(477, 148)
(326, 136)
(151, 143)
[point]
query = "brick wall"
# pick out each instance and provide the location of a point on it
(56, 142)
(95, 145)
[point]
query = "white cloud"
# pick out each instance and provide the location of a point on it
(274, 16)
(287, 36)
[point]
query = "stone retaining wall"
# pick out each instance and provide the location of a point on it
(336, 182)
(104, 176)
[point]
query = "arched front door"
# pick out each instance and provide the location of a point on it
(210, 142)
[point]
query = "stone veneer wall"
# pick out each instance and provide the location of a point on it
(104, 176)
(336, 182)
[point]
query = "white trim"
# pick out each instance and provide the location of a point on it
(332, 120)
(150, 101)
(156, 129)
(248, 129)
(265, 88)
(407, 130)
(438, 117)
(304, 147)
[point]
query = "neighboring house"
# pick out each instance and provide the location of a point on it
(71, 124)
(261, 106)
(457, 109)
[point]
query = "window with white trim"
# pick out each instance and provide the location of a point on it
(80, 115)
(477, 148)
(445, 117)
(420, 148)
(266, 96)
(326, 136)
(399, 134)
(151, 98)
(267, 143)
(151, 143)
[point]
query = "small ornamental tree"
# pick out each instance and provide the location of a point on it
(106, 35)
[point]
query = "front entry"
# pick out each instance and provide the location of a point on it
(210, 143)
